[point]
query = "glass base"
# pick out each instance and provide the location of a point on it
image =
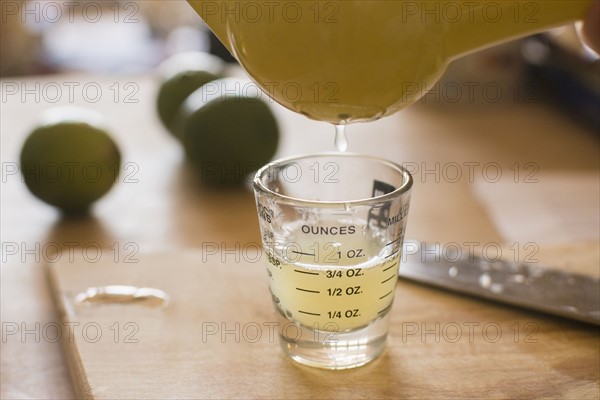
(334, 350)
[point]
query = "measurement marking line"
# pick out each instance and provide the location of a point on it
(305, 272)
(309, 313)
(384, 310)
(386, 295)
(391, 277)
(304, 254)
(387, 244)
(391, 255)
(391, 266)
(309, 291)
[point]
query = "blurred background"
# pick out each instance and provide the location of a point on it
(42, 37)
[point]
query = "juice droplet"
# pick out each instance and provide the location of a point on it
(340, 141)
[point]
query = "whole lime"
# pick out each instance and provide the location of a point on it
(182, 74)
(228, 131)
(69, 160)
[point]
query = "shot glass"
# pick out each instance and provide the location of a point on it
(332, 228)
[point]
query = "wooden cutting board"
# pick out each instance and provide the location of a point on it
(213, 340)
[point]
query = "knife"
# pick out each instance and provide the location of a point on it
(538, 288)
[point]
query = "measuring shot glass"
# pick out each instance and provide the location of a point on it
(332, 228)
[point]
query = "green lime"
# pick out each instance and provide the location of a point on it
(229, 131)
(69, 160)
(182, 75)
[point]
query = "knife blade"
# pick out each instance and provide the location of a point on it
(539, 288)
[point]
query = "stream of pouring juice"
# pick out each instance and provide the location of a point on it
(348, 61)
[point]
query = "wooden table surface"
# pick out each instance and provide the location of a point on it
(156, 207)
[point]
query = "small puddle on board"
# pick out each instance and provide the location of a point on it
(122, 294)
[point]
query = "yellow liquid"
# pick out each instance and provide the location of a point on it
(346, 61)
(335, 296)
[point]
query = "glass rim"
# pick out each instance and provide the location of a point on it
(402, 189)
